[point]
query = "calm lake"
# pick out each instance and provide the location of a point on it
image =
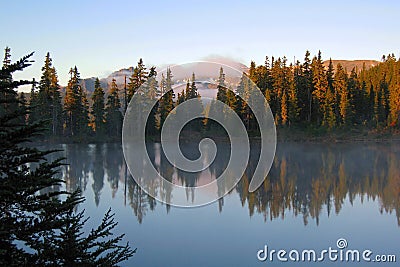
(314, 195)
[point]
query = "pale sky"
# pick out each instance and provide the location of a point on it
(103, 36)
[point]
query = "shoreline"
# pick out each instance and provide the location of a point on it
(281, 138)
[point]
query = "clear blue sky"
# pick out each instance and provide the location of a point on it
(102, 36)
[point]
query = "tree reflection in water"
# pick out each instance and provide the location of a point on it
(305, 179)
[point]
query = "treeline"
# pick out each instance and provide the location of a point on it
(309, 94)
(73, 118)
(301, 95)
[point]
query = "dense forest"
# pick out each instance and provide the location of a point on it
(303, 96)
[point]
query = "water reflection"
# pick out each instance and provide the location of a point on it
(305, 180)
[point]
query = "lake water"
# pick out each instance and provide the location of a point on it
(314, 195)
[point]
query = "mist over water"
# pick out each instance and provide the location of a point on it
(313, 195)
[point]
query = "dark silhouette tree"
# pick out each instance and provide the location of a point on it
(48, 103)
(98, 111)
(76, 107)
(42, 220)
(113, 113)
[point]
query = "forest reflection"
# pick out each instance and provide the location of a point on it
(305, 179)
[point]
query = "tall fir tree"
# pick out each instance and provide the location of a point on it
(138, 77)
(320, 84)
(113, 115)
(340, 85)
(49, 105)
(8, 103)
(284, 109)
(242, 96)
(33, 102)
(353, 92)
(330, 75)
(197, 107)
(167, 100)
(293, 102)
(307, 88)
(222, 90)
(98, 109)
(76, 107)
(151, 92)
(394, 94)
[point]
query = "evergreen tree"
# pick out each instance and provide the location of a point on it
(394, 94)
(192, 92)
(278, 84)
(222, 90)
(320, 84)
(35, 219)
(23, 104)
(181, 96)
(330, 116)
(354, 97)
(186, 93)
(242, 96)
(33, 102)
(8, 103)
(98, 112)
(197, 107)
(329, 75)
(76, 107)
(293, 102)
(113, 115)
(49, 106)
(151, 92)
(56, 106)
(138, 77)
(167, 100)
(70, 248)
(340, 85)
(284, 109)
(306, 89)
(231, 99)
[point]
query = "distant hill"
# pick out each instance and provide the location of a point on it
(350, 64)
(180, 74)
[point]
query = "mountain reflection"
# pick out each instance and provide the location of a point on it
(305, 180)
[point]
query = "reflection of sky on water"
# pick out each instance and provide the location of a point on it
(314, 195)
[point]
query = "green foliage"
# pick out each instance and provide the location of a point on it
(113, 115)
(98, 111)
(222, 90)
(310, 94)
(69, 246)
(138, 77)
(38, 226)
(191, 93)
(76, 107)
(166, 104)
(46, 103)
(301, 94)
(150, 91)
